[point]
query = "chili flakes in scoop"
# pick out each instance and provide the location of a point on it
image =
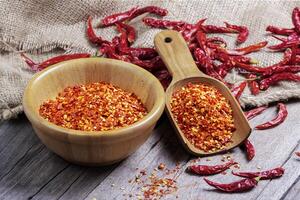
(204, 116)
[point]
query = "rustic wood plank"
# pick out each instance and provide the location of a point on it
(32, 172)
(294, 191)
(16, 139)
(74, 182)
(86, 182)
(10, 129)
(274, 148)
(26, 165)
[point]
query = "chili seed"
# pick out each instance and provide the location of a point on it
(161, 166)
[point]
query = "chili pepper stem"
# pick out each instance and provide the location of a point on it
(257, 178)
(254, 61)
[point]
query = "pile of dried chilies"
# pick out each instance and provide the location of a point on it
(210, 53)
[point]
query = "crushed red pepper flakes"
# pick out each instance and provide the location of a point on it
(93, 107)
(157, 184)
(204, 116)
(161, 166)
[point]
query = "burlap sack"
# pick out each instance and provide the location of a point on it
(45, 28)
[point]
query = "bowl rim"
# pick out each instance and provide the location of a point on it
(148, 119)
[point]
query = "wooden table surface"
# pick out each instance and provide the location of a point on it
(28, 170)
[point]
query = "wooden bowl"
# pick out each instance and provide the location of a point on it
(94, 147)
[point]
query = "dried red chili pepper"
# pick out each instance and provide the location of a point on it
(189, 30)
(166, 81)
(217, 40)
(249, 149)
(243, 59)
(110, 52)
(165, 24)
(281, 68)
(295, 51)
(254, 112)
(228, 62)
(253, 85)
(118, 17)
(109, 46)
(252, 48)
(275, 78)
(201, 39)
(132, 13)
(287, 57)
(199, 54)
(116, 41)
(51, 61)
(249, 68)
(281, 116)
(280, 31)
(238, 90)
(237, 186)
(293, 36)
(297, 154)
(264, 175)
(296, 19)
(213, 45)
(93, 38)
(206, 62)
(153, 64)
(123, 37)
(297, 59)
(149, 9)
(193, 46)
(286, 44)
(130, 31)
(164, 77)
(141, 53)
(161, 74)
(210, 170)
(243, 32)
(217, 29)
(224, 68)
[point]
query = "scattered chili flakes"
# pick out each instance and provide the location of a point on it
(143, 172)
(161, 166)
(93, 107)
(204, 116)
(159, 187)
(157, 184)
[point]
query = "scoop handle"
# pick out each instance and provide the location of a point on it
(176, 55)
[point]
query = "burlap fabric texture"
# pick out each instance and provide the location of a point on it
(47, 28)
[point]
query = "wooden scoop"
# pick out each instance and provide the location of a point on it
(174, 52)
